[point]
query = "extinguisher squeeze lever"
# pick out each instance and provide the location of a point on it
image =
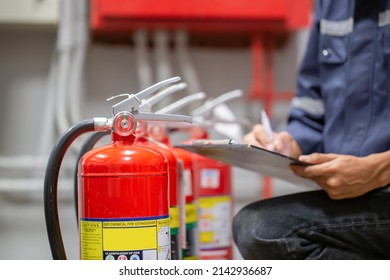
(133, 101)
(147, 104)
(211, 104)
(181, 103)
(139, 108)
(177, 105)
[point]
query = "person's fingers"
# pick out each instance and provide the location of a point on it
(261, 134)
(285, 144)
(251, 139)
(257, 136)
(317, 158)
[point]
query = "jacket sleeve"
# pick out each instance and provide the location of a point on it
(306, 118)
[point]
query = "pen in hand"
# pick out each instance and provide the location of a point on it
(267, 125)
(275, 144)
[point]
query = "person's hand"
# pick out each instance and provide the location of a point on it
(281, 142)
(344, 176)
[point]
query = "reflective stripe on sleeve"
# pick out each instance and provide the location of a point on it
(384, 18)
(309, 105)
(336, 28)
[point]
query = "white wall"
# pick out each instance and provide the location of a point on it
(25, 55)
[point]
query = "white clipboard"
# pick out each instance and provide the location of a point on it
(250, 157)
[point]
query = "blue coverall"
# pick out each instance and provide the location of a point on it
(342, 106)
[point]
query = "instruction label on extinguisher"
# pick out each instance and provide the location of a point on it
(215, 221)
(191, 250)
(125, 239)
(209, 178)
(174, 214)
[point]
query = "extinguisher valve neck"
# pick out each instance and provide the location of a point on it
(124, 124)
(102, 124)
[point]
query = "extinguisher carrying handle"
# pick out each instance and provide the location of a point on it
(147, 104)
(133, 101)
(51, 180)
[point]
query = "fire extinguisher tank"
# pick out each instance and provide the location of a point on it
(174, 207)
(191, 250)
(124, 202)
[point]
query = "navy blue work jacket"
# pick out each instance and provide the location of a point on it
(342, 104)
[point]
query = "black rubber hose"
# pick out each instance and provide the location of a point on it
(51, 186)
(87, 146)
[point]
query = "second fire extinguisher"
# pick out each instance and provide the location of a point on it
(214, 186)
(188, 180)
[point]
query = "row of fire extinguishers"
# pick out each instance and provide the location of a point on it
(139, 197)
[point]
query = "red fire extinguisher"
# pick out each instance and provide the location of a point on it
(190, 250)
(174, 169)
(176, 233)
(214, 186)
(123, 192)
(188, 180)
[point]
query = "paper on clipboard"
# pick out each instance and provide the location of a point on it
(250, 157)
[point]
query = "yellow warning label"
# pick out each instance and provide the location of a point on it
(174, 214)
(119, 239)
(191, 213)
(211, 201)
(146, 223)
(139, 239)
(206, 237)
(215, 221)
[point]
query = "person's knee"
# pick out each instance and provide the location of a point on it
(241, 235)
(258, 230)
(256, 220)
(250, 226)
(239, 225)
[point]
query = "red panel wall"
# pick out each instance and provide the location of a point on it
(200, 15)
